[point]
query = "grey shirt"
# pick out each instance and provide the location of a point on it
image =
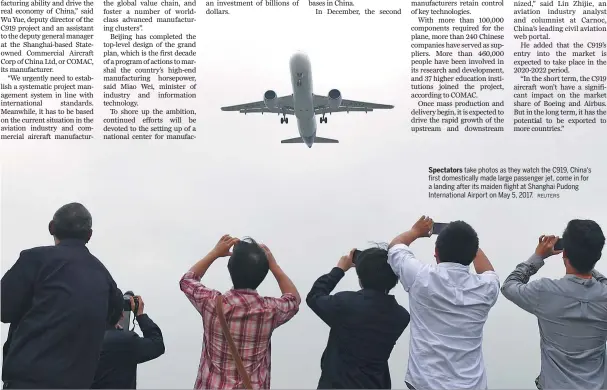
(572, 319)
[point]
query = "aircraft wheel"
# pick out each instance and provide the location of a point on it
(282, 120)
(286, 120)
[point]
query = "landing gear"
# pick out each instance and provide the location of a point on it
(323, 119)
(284, 120)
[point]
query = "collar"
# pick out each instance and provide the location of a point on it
(246, 291)
(72, 242)
(456, 266)
(374, 293)
(578, 280)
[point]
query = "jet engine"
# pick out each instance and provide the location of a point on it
(334, 98)
(269, 98)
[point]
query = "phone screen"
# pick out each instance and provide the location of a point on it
(559, 245)
(438, 227)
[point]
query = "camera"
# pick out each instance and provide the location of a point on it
(126, 303)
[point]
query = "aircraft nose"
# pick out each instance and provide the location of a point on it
(298, 58)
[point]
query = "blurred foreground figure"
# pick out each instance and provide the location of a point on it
(57, 300)
(123, 349)
(365, 324)
(449, 306)
(571, 312)
(239, 358)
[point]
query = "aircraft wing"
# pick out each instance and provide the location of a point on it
(284, 105)
(321, 105)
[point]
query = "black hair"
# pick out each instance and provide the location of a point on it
(116, 303)
(457, 243)
(583, 242)
(72, 221)
(373, 270)
(248, 265)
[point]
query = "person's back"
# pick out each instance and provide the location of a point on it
(573, 332)
(123, 349)
(571, 311)
(449, 307)
(57, 301)
(251, 318)
(365, 325)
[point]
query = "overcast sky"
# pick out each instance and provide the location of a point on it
(159, 207)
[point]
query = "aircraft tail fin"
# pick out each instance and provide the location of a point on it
(319, 140)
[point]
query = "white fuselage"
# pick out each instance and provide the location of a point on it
(303, 100)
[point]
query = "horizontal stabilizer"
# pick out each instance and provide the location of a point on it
(319, 140)
(297, 140)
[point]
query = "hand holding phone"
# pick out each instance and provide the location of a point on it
(438, 227)
(559, 245)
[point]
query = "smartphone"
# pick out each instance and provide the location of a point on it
(355, 255)
(438, 227)
(559, 245)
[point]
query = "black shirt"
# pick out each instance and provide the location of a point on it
(365, 326)
(57, 300)
(121, 352)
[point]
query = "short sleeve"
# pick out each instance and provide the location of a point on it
(200, 296)
(404, 264)
(285, 308)
(492, 283)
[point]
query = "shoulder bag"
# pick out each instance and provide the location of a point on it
(226, 332)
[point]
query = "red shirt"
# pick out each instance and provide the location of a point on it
(251, 319)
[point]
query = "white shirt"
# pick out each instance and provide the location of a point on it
(449, 306)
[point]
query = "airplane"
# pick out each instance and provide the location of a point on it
(304, 104)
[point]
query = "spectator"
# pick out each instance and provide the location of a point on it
(365, 324)
(57, 300)
(571, 311)
(251, 318)
(123, 349)
(449, 306)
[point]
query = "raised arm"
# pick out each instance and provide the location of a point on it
(324, 305)
(400, 257)
(598, 276)
(222, 249)
(285, 283)
(516, 287)
(151, 345)
(288, 304)
(198, 294)
(481, 262)
(417, 231)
